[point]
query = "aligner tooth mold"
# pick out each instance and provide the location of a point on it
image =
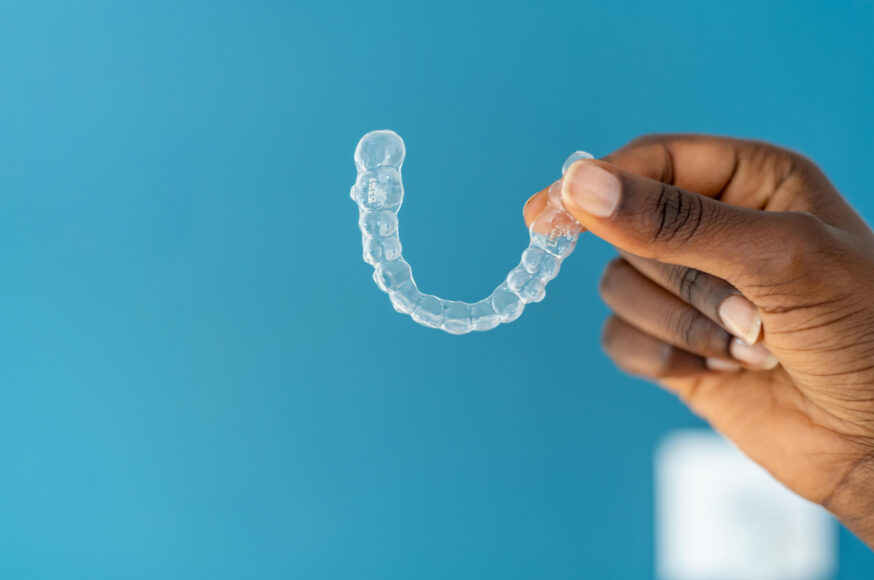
(379, 191)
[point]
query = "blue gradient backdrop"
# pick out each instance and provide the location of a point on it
(198, 378)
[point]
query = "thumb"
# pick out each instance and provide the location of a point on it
(657, 220)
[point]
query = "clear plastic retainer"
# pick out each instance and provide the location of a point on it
(378, 191)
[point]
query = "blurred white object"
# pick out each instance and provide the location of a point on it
(719, 516)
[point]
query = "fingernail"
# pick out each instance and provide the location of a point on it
(741, 318)
(591, 188)
(717, 364)
(755, 355)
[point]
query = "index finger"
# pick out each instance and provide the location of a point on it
(740, 172)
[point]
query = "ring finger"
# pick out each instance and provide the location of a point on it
(657, 312)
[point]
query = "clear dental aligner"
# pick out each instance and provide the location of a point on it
(378, 191)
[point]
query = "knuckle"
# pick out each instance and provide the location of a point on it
(785, 171)
(802, 240)
(652, 139)
(788, 163)
(685, 326)
(802, 221)
(697, 333)
(801, 164)
(689, 282)
(645, 139)
(677, 215)
(798, 253)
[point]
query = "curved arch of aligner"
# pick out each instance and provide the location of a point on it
(379, 192)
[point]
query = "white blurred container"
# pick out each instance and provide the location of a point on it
(719, 516)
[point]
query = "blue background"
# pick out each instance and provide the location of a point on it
(198, 377)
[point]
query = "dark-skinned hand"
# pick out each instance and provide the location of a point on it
(745, 285)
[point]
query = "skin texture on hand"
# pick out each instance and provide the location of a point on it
(746, 287)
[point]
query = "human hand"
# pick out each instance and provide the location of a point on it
(752, 299)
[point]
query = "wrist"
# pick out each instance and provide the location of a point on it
(852, 501)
